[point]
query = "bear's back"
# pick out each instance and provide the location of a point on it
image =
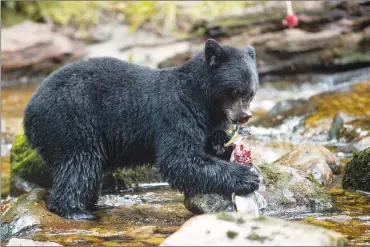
(101, 70)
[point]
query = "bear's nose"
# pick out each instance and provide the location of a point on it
(245, 116)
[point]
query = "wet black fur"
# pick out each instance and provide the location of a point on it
(92, 116)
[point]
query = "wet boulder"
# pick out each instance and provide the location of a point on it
(25, 215)
(357, 172)
(237, 229)
(209, 203)
(317, 161)
(287, 189)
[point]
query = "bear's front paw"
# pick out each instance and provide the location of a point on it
(249, 182)
(215, 145)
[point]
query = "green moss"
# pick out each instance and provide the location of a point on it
(271, 174)
(25, 162)
(311, 177)
(231, 234)
(255, 237)
(240, 221)
(225, 216)
(80, 14)
(357, 172)
(22, 157)
(260, 218)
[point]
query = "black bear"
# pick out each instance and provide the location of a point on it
(95, 115)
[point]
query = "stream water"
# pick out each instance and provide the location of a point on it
(162, 208)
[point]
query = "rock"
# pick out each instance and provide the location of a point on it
(287, 189)
(357, 172)
(267, 152)
(94, 34)
(357, 144)
(362, 143)
(315, 160)
(237, 229)
(19, 186)
(99, 33)
(209, 203)
(41, 52)
(19, 220)
(297, 40)
(28, 242)
(29, 172)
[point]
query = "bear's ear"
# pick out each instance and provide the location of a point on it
(251, 52)
(214, 53)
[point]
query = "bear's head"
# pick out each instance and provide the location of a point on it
(234, 79)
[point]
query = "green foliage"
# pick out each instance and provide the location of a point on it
(170, 16)
(77, 13)
(164, 16)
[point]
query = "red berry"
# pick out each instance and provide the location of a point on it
(291, 20)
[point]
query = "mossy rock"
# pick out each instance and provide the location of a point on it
(287, 189)
(29, 171)
(26, 163)
(357, 172)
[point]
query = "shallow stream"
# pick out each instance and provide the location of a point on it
(147, 216)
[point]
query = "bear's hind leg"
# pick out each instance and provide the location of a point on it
(76, 184)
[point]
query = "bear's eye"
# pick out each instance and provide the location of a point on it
(235, 93)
